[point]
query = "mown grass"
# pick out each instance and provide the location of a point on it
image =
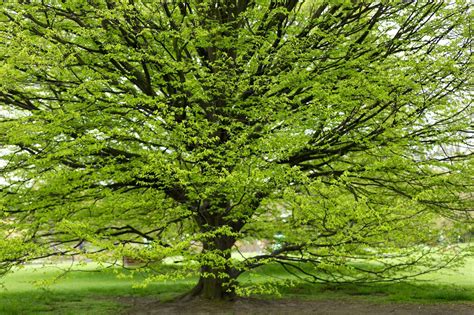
(448, 285)
(33, 290)
(99, 292)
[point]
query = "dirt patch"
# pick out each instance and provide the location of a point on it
(140, 305)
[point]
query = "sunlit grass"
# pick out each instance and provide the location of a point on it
(35, 289)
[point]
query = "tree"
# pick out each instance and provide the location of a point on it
(342, 126)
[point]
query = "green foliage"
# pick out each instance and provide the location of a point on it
(154, 129)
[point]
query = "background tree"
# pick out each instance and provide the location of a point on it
(344, 126)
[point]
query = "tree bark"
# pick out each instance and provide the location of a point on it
(216, 282)
(214, 288)
(217, 274)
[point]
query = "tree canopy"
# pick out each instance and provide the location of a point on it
(156, 129)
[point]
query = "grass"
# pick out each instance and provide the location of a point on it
(33, 290)
(99, 292)
(442, 286)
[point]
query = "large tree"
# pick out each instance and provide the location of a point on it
(157, 129)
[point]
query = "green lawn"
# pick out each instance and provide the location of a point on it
(93, 292)
(36, 289)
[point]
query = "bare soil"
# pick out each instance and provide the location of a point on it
(142, 305)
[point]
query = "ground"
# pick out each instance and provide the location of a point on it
(89, 289)
(285, 306)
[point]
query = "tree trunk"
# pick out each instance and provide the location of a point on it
(214, 288)
(217, 275)
(216, 282)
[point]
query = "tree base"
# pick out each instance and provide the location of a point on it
(210, 289)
